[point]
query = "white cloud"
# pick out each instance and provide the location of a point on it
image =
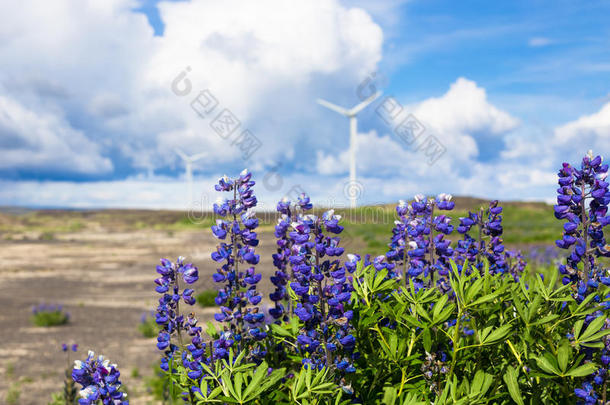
(97, 66)
(465, 109)
(593, 130)
(45, 142)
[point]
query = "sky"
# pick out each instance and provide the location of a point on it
(482, 99)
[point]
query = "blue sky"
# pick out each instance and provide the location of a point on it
(88, 118)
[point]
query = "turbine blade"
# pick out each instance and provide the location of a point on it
(333, 107)
(181, 153)
(355, 110)
(198, 156)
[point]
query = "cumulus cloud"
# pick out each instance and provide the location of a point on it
(593, 130)
(97, 66)
(44, 142)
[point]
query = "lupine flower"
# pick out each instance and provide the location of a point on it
(432, 367)
(321, 286)
(168, 315)
(418, 247)
(100, 381)
(582, 202)
(239, 297)
(284, 272)
(488, 245)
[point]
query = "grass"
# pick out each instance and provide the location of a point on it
(148, 327)
(13, 394)
(206, 298)
(49, 318)
(10, 370)
(158, 385)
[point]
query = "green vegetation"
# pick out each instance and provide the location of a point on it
(206, 298)
(13, 394)
(49, 318)
(148, 327)
(10, 370)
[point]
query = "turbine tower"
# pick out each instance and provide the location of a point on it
(353, 131)
(188, 163)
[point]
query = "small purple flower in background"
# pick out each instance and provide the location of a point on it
(544, 255)
(418, 247)
(239, 297)
(100, 381)
(488, 244)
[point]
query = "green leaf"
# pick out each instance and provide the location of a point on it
(485, 298)
(546, 319)
(548, 364)
(582, 371)
(593, 328)
(258, 377)
(238, 381)
(279, 330)
(512, 383)
(389, 396)
(438, 307)
(499, 334)
(427, 340)
(577, 327)
(563, 356)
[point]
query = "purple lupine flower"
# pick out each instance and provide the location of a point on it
(322, 287)
(239, 297)
(488, 245)
(418, 247)
(582, 201)
(100, 381)
(168, 315)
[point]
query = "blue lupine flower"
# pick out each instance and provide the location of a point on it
(582, 201)
(100, 381)
(243, 322)
(167, 314)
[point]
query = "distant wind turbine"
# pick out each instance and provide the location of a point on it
(353, 131)
(188, 163)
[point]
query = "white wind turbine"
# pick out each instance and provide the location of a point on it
(353, 131)
(188, 163)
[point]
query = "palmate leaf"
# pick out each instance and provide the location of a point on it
(548, 363)
(496, 335)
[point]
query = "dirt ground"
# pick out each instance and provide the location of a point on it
(103, 277)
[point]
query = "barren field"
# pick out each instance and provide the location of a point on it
(102, 274)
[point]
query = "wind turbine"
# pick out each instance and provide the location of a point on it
(353, 131)
(188, 163)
